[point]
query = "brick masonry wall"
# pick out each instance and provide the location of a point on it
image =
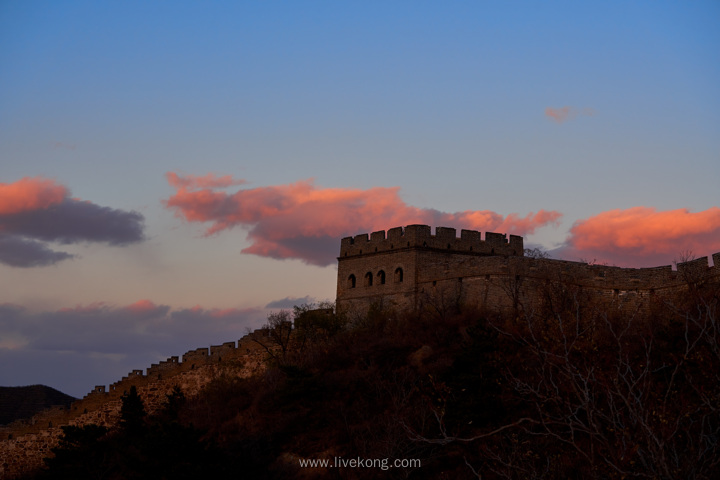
(419, 269)
(32, 440)
(441, 268)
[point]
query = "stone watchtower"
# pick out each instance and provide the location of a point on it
(399, 267)
(412, 269)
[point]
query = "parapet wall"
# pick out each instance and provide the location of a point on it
(420, 236)
(609, 277)
(191, 360)
(163, 370)
(408, 266)
(24, 443)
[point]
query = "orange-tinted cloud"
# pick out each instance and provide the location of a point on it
(141, 306)
(34, 211)
(557, 114)
(560, 115)
(30, 194)
(643, 236)
(300, 220)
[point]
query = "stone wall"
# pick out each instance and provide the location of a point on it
(420, 236)
(25, 443)
(492, 273)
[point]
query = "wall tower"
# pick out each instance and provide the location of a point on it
(397, 267)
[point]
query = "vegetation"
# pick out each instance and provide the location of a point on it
(23, 402)
(141, 448)
(576, 389)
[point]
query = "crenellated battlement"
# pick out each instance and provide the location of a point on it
(173, 365)
(420, 236)
(408, 265)
(24, 443)
(244, 350)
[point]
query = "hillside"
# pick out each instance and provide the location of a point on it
(24, 402)
(576, 389)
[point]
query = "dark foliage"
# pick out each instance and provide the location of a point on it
(132, 414)
(577, 389)
(142, 448)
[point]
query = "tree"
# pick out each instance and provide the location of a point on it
(314, 326)
(536, 253)
(600, 393)
(276, 335)
(175, 400)
(79, 454)
(132, 412)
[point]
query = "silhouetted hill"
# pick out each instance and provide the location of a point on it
(24, 402)
(577, 388)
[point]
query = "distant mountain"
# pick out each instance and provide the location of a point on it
(24, 402)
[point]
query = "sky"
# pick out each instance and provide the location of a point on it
(171, 172)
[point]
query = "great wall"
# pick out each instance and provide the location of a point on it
(24, 443)
(408, 268)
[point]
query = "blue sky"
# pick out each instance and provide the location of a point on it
(456, 105)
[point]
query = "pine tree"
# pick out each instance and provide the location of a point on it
(132, 412)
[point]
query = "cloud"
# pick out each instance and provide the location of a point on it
(205, 181)
(143, 306)
(560, 115)
(644, 236)
(17, 251)
(35, 210)
(302, 221)
(28, 194)
(105, 328)
(290, 302)
(63, 145)
(98, 343)
(75, 221)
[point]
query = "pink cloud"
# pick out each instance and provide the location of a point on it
(66, 146)
(35, 211)
(644, 236)
(141, 306)
(93, 307)
(300, 220)
(30, 194)
(561, 115)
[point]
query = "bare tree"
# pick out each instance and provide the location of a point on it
(443, 300)
(609, 395)
(276, 335)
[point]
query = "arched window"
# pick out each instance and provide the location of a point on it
(368, 279)
(351, 281)
(398, 275)
(381, 277)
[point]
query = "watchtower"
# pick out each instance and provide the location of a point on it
(411, 269)
(396, 267)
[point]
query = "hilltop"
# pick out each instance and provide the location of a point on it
(24, 402)
(458, 357)
(578, 388)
